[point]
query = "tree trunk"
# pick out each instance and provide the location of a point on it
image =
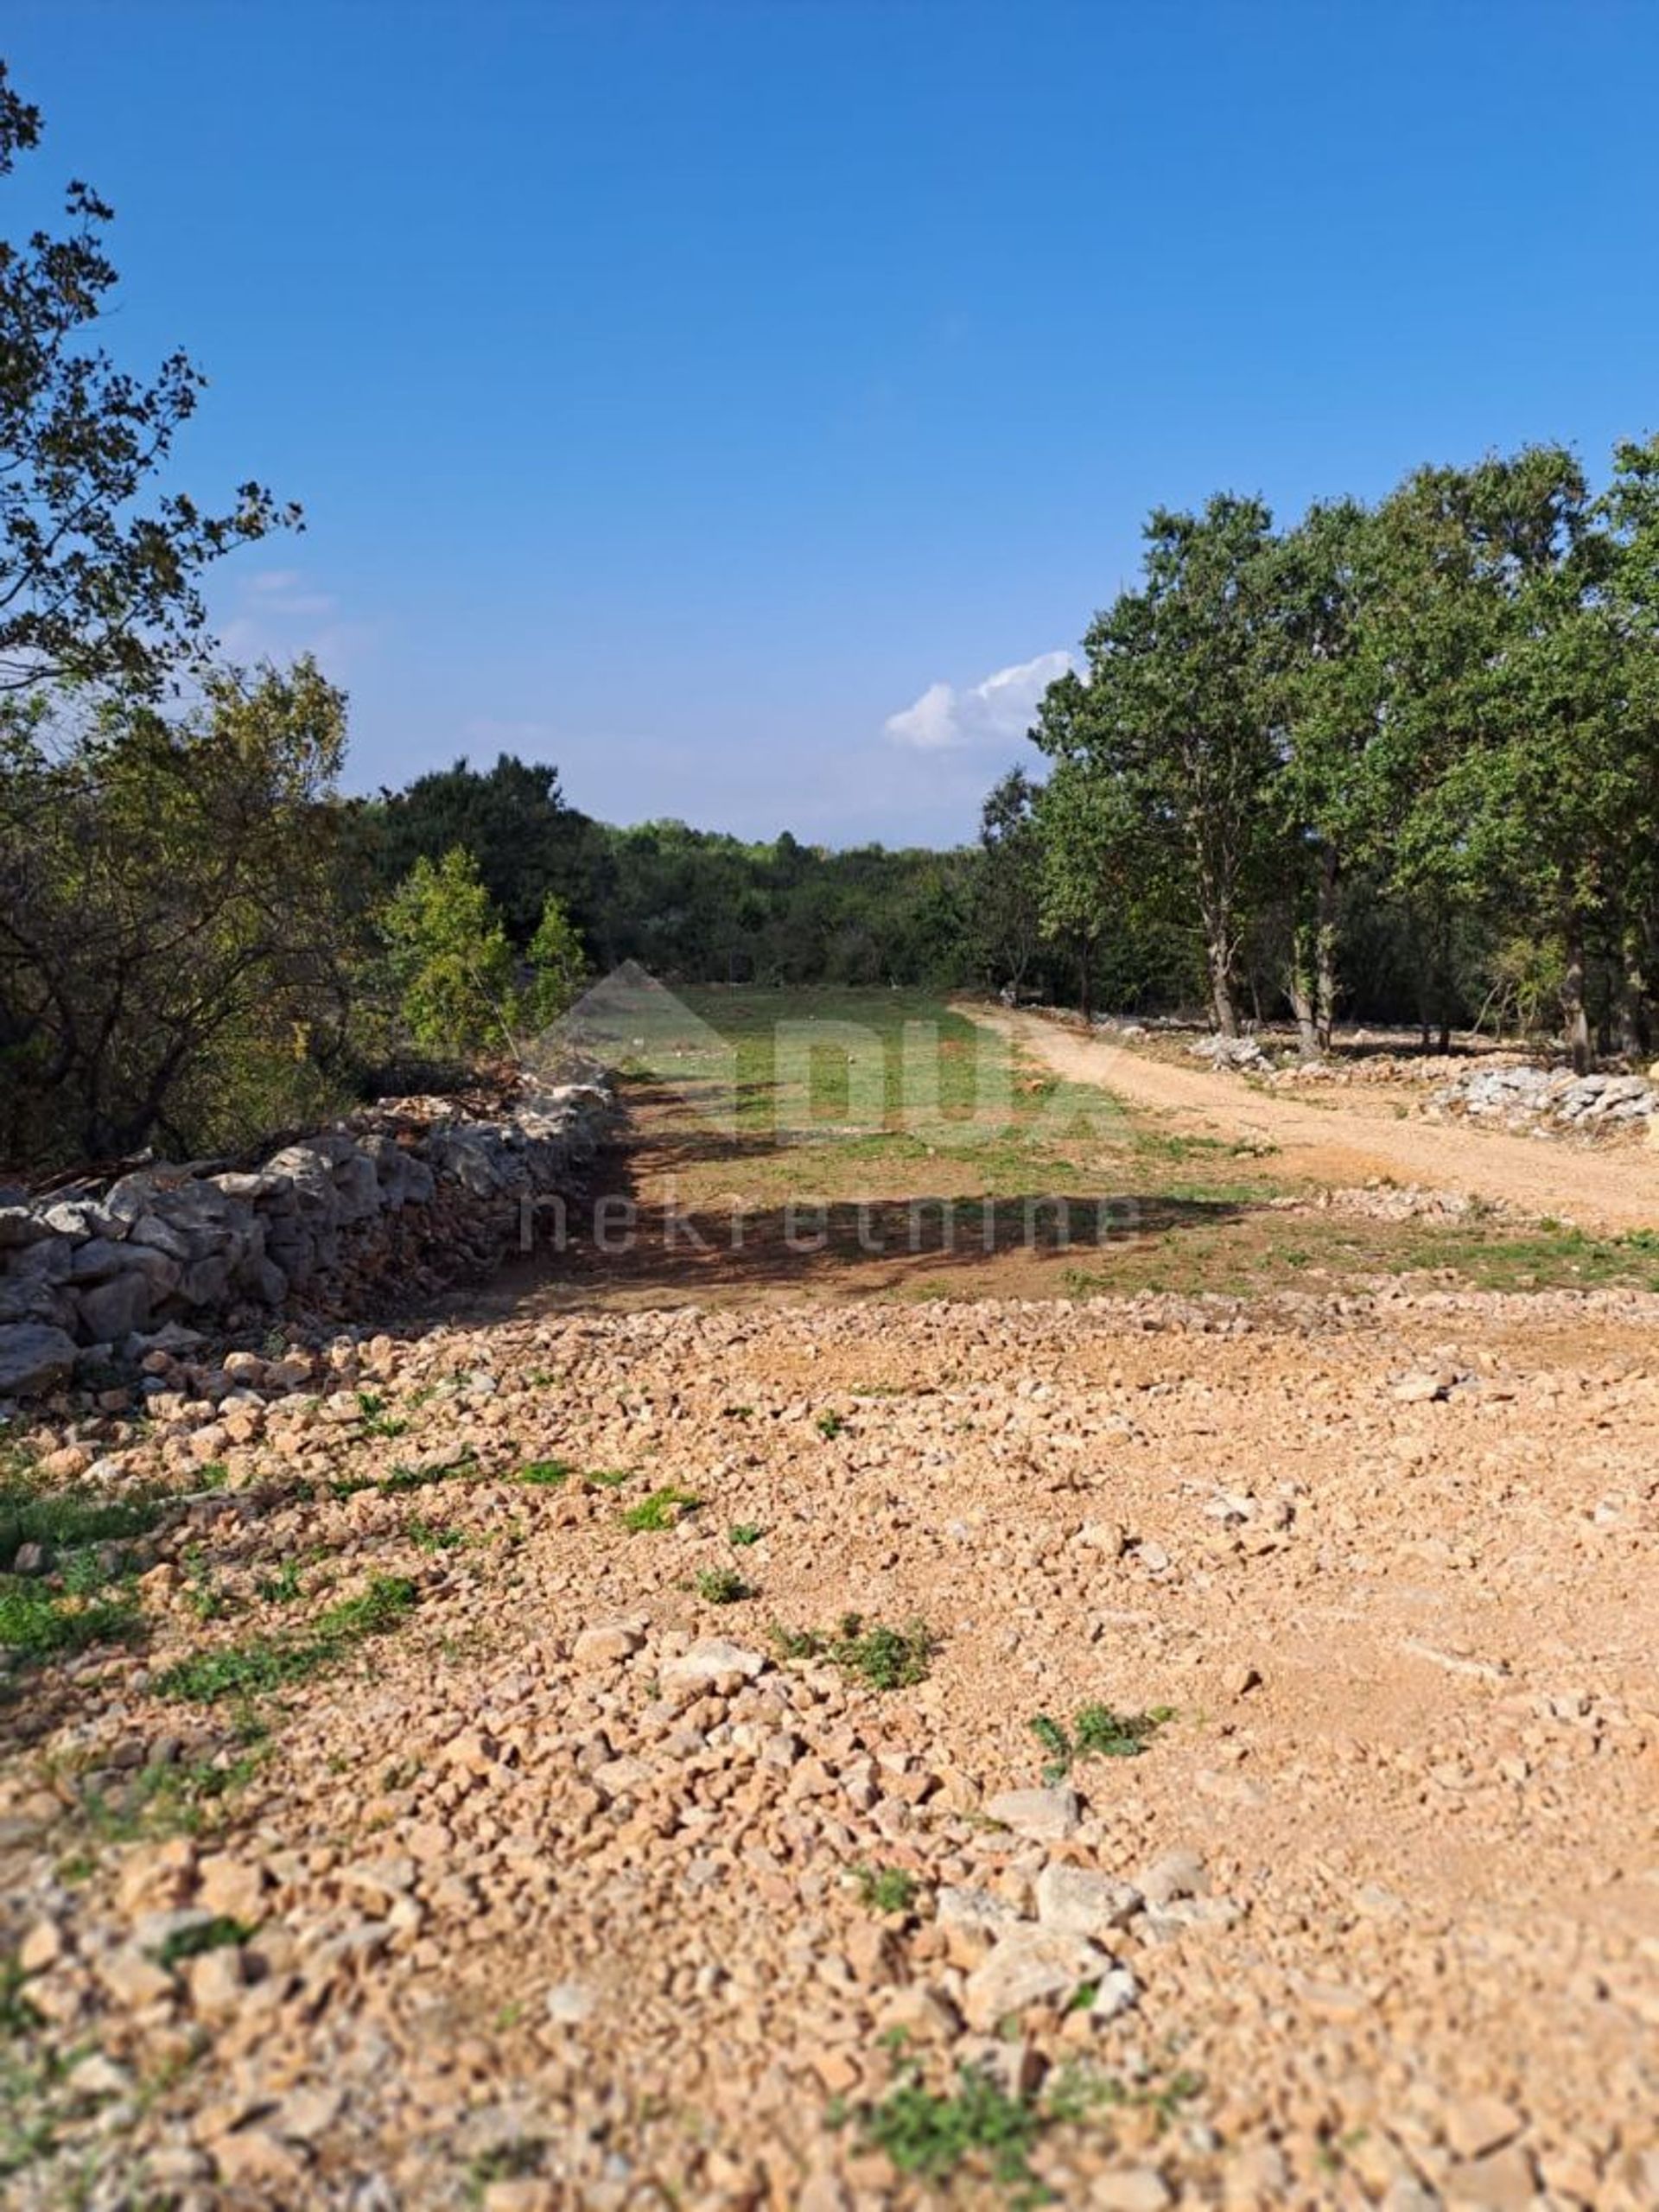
(1300, 983)
(1575, 1015)
(1221, 1008)
(1324, 948)
(1635, 1006)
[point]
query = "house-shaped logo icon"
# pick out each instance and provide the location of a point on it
(631, 1022)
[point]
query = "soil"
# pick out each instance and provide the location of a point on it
(1357, 1135)
(618, 1871)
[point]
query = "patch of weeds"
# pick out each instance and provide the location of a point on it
(1058, 1744)
(517, 2161)
(1097, 1732)
(1102, 1734)
(741, 1533)
(181, 1800)
(64, 1520)
(407, 1479)
(930, 2135)
(830, 1424)
(886, 1889)
(546, 1474)
(885, 1657)
(429, 1536)
(541, 1378)
(377, 1421)
(609, 1477)
(17, 2015)
(215, 1475)
(272, 1662)
(739, 1413)
(662, 1509)
(722, 1585)
(281, 1588)
(222, 1933)
(202, 1593)
(40, 1623)
(403, 1478)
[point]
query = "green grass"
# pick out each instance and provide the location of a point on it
(546, 1474)
(266, 1663)
(744, 1532)
(884, 1657)
(662, 1509)
(189, 1798)
(886, 1889)
(66, 1520)
(430, 1537)
(722, 1585)
(404, 1478)
(17, 2016)
(222, 1933)
(931, 2135)
(828, 1425)
(282, 1587)
(38, 1622)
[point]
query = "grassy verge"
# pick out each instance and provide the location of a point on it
(264, 1663)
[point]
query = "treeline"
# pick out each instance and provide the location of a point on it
(206, 941)
(1398, 760)
(692, 906)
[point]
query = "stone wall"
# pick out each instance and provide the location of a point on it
(397, 1200)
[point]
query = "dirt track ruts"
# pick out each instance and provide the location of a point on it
(1355, 1138)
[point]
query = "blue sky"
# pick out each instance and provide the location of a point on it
(744, 406)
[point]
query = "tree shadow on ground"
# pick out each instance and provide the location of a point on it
(627, 1244)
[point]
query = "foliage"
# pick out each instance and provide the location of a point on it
(1097, 1732)
(885, 1657)
(39, 1622)
(663, 1509)
(171, 955)
(928, 2134)
(557, 966)
(94, 586)
(722, 1585)
(221, 1933)
(268, 1663)
(887, 1889)
(447, 960)
(1358, 752)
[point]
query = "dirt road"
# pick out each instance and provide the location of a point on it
(1354, 1138)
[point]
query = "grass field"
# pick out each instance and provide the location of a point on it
(875, 1142)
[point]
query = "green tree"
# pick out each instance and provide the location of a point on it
(557, 964)
(94, 585)
(1007, 910)
(1174, 717)
(1324, 682)
(449, 963)
(529, 844)
(174, 955)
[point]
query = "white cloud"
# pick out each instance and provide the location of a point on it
(993, 712)
(276, 614)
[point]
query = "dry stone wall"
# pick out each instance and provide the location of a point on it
(413, 1194)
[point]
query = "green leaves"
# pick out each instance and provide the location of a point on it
(449, 963)
(93, 587)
